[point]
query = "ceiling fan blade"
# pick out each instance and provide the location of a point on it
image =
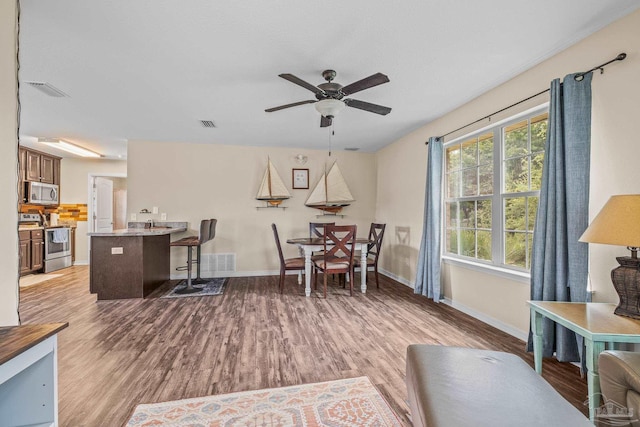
(300, 82)
(367, 106)
(295, 104)
(366, 83)
(325, 121)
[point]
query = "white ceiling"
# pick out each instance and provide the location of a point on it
(152, 69)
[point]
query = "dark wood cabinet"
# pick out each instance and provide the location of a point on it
(56, 173)
(22, 163)
(31, 250)
(73, 245)
(46, 169)
(25, 254)
(37, 251)
(39, 167)
(33, 166)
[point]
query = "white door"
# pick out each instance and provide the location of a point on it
(103, 196)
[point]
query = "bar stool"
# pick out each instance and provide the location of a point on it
(212, 233)
(189, 243)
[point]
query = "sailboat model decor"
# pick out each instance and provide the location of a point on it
(331, 193)
(272, 189)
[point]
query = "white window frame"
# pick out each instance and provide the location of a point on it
(497, 265)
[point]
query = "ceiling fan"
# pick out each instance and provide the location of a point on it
(329, 96)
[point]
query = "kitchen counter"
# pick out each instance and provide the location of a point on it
(30, 227)
(28, 374)
(156, 231)
(138, 229)
(132, 262)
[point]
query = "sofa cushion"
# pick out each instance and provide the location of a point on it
(453, 387)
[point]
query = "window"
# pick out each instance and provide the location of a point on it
(492, 188)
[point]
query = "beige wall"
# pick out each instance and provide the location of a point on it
(74, 188)
(614, 168)
(196, 181)
(8, 166)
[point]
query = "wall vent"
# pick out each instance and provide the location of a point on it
(218, 263)
(207, 123)
(48, 89)
(351, 149)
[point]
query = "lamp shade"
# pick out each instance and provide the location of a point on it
(329, 107)
(618, 223)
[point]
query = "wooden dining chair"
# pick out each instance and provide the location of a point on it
(316, 229)
(376, 233)
(288, 263)
(339, 247)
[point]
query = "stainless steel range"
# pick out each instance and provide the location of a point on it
(57, 248)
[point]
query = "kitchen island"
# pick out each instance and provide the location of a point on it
(132, 262)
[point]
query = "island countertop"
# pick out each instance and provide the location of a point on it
(137, 230)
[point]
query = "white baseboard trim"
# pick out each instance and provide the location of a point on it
(467, 310)
(521, 335)
(398, 279)
(80, 262)
(183, 275)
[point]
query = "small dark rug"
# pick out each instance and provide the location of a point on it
(214, 286)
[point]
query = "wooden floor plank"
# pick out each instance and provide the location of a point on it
(117, 354)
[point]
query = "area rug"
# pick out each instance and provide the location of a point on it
(214, 286)
(344, 403)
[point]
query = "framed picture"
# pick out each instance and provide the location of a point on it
(300, 179)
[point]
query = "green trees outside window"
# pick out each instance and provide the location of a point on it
(476, 196)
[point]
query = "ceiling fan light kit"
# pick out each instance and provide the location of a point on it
(329, 96)
(329, 107)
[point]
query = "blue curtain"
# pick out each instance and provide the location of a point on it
(428, 274)
(559, 262)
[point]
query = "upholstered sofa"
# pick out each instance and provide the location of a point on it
(620, 386)
(456, 387)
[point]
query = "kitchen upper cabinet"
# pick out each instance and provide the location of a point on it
(33, 166)
(46, 169)
(41, 167)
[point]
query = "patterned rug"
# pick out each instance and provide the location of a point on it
(214, 286)
(343, 403)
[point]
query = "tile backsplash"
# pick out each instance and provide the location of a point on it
(67, 211)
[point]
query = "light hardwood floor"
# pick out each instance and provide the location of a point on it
(117, 354)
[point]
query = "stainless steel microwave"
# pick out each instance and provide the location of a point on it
(42, 194)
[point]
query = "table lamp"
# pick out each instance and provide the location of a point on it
(618, 223)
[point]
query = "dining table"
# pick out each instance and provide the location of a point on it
(309, 245)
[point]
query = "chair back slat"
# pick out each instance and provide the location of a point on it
(376, 233)
(339, 241)
(275, 235)
(316, 229)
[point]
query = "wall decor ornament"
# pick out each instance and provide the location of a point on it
(300, 179)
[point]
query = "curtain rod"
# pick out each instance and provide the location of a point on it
(577, 77)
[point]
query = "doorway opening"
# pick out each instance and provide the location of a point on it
(107, 203)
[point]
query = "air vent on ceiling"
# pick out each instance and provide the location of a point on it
(351, 149)
(207, 123)
(48, 89)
